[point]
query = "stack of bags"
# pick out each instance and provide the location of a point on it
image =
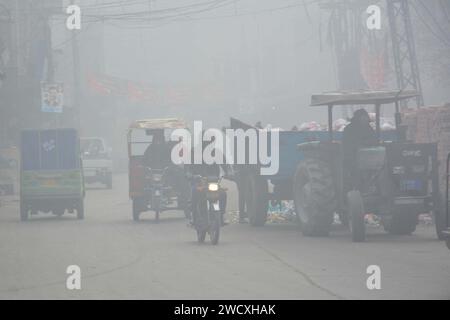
(431, 125)
(311, 126)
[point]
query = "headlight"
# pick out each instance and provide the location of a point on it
(213, 187)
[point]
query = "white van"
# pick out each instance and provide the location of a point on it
(97, 163)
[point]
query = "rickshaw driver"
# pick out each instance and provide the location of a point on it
(158, 156)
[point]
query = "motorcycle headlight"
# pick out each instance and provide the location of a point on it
(213, 187)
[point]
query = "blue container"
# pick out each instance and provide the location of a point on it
(54, 149)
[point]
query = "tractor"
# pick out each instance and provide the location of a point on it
(397, 180)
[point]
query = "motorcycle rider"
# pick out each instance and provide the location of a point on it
(206, 170)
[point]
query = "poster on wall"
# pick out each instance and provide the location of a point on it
(52, 97)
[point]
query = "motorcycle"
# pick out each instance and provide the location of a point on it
(206, 208)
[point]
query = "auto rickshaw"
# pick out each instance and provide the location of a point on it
(51, 177)
(147, 187)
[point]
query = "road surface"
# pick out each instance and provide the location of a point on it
(122, 259)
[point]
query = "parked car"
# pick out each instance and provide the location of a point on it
(97, 163)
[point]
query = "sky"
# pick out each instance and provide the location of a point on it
(257, 60)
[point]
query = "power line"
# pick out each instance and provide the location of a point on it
(434, 20)
(250, 13)
(128, 21)
(430, 29)
(162, 13)
(262, 11)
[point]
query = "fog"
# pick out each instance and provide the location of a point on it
(251, 59)
(72, 147)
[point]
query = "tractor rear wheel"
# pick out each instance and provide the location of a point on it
(314, 197)
(439, 218)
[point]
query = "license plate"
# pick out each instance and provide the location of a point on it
(411, 185)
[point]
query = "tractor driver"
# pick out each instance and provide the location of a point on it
(358, 134)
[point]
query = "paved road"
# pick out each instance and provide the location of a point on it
(121, 259)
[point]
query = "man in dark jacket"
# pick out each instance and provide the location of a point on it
(157, 155)
(207, 170)
(358, 134)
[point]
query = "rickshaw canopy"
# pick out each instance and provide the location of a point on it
(138, 133)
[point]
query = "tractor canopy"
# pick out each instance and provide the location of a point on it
(348, 98)
(353, 98)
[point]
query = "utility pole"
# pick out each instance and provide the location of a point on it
(347, 37)
(76, 78)
(404, 48)
(8, 68)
